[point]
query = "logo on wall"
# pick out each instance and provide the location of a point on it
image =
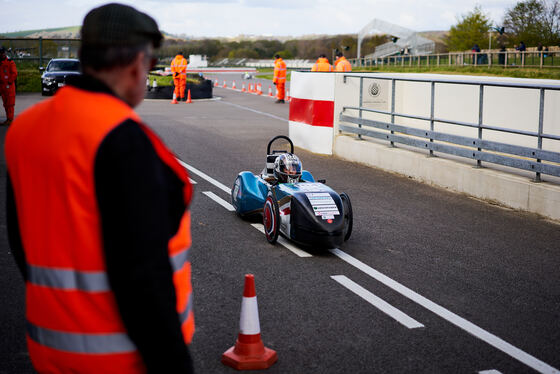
(375, 94)
(374, 89)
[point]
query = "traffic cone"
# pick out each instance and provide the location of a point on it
(216, 83)
(259, 89)
(233, 87)
(288, 98)
(189, 97)
(174, 101)
(243, 88)
(225, 85)
(249, 352)
(270, 91)
(250, 88)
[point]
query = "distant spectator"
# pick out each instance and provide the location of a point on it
(521, 47)
(341, 63)
(502, 55)
(476, 50)
(545, 55)
(539, 47)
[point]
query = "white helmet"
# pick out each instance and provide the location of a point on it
(287, 168)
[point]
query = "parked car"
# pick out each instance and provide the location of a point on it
(54, 76)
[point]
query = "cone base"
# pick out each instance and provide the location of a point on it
(264, 360)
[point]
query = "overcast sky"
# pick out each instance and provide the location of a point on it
(257, 17)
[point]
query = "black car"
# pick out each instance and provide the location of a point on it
(54, 76)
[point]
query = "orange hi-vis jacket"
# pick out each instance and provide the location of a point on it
(322, 64)
(72, 317)
(179, 65)
(342, 64)
(279, 71)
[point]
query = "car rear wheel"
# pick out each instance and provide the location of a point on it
(347, 215)
(271, 219)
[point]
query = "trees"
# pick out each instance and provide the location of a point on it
(533, 22)
(471, 29)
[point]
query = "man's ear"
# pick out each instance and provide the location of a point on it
(136, 69)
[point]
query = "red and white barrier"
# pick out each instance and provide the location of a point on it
(312, 111)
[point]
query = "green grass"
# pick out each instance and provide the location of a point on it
(270, 75)
(29, 80)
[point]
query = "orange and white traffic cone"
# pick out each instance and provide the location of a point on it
(216, 83)
(189, 97)
(270, 91)
(288, 98)
(225, 85)
(259, 89)
(249, 352)
(243, 88)
(233, 87)
(174, 101)
(250, 88)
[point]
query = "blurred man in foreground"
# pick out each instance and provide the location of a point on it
(98, 220)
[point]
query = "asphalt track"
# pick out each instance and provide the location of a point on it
(429, 282)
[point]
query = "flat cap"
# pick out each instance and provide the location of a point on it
(119, 25)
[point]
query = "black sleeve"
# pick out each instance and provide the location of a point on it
(140, 202)
(14, 236)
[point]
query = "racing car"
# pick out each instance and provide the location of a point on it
(291, 202)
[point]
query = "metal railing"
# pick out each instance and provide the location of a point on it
(512, 59)
(526, 158)
(39, 51)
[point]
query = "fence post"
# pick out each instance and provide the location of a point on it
(541, 124)
(506, 59)
(522, 59)
(541, 58)
(392, 107)
(480, 107)
(361, 103)
(40, 51)
(432, 105)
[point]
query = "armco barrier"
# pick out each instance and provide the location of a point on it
(320, 98)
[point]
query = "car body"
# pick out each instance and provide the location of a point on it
(309, 213)
(54, 76)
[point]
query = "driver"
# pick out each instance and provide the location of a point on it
(287, 168)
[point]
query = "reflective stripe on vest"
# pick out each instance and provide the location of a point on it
(179, 260)
(81, 343)
(118, 342)
(64, 279)
(88, 281)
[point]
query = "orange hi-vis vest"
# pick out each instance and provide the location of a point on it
(322, 64)
(72, 317)
(279, 71)
(342, 64)
(179, 65)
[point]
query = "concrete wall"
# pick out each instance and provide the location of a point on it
(512, 108)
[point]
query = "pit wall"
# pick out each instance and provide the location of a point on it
(318, 99)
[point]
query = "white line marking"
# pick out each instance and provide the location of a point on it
(255, 111)
(377, 302)
(219, 200)
(192, 181)
(206, 177)
(284, 242)
(458, 321)
(492, 371)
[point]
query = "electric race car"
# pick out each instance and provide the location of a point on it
(291, 202)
